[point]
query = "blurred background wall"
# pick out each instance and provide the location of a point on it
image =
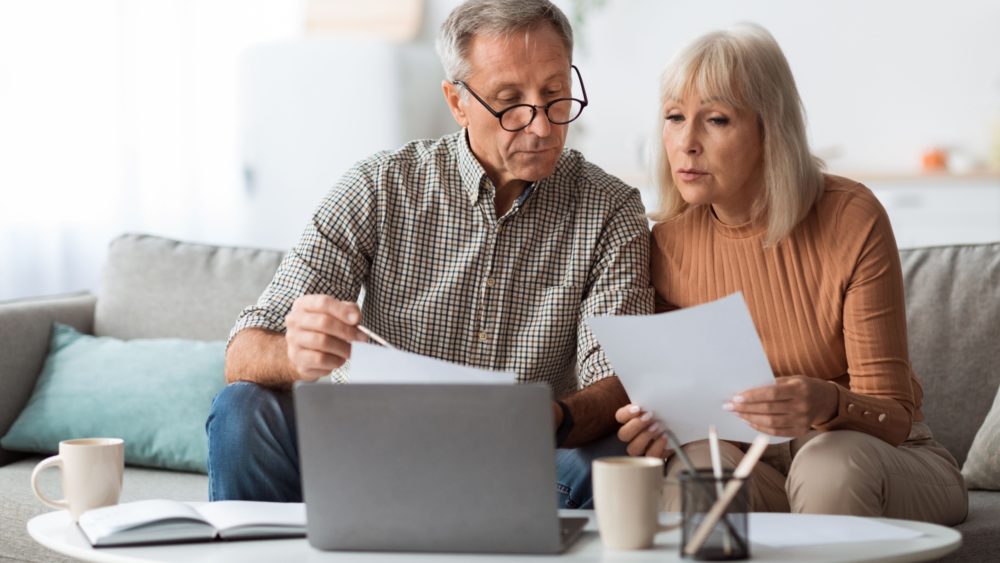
(225, 121)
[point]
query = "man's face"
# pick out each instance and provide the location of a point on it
(529, 67)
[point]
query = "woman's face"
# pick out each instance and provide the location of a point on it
(714, 151)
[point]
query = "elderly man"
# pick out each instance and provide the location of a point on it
(487, 247)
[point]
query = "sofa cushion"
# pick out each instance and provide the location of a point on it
(20, 505)
(153, 393)
(953, 320)
(980, 535)
(153, 287)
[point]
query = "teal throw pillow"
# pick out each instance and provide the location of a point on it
(153, 393)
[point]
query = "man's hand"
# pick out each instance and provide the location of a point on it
(319, 333)
(642, 432)
(789, 407)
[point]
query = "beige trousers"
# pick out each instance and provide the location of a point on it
(845, 472)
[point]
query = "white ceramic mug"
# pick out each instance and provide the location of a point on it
(92, 470)
(627, 497)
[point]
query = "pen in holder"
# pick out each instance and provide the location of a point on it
(727, 539)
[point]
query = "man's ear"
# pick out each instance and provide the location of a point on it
(453, 97)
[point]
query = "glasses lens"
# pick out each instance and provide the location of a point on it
(564, 111)
(517, 117)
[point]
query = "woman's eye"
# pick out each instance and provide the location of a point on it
(719, 120)
(675, 117)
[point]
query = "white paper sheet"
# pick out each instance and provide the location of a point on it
(685, 364)
(816, 529)
(376, 364)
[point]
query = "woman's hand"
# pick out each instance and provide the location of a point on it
(789, 407)
(642, 432)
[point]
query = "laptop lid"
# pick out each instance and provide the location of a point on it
(440, 468)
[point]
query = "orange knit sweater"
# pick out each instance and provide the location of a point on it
(827, 301)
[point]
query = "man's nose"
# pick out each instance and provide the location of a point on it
(540, 125)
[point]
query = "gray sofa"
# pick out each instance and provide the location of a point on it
(153, 287)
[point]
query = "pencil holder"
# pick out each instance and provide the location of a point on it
(728, 539)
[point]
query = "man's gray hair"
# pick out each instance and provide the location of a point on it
(494, 18)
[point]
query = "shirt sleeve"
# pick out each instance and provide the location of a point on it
(332, 257)
(880, 399)
(618, 283)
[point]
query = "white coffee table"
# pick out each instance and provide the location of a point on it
(56, 532)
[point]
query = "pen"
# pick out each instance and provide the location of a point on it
(378, 339)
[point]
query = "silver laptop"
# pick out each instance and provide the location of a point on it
(438, 468)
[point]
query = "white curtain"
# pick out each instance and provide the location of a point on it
(119, 115)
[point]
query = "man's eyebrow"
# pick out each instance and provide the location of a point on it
(515, 85)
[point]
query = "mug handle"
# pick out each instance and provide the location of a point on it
(54, 461)
(668, 527)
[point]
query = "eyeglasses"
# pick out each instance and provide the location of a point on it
(514, 118)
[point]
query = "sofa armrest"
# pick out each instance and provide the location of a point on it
(25, 328)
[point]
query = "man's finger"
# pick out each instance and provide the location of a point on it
(346, 311)
(308, 340)
(326, 324)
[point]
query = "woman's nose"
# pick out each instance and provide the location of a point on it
(690, 142)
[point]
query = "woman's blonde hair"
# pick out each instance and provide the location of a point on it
(745, 68)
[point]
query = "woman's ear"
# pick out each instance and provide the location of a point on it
(453, 98)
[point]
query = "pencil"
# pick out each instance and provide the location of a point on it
(378, 339)
(713, 446)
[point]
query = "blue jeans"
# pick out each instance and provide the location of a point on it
(253, 451)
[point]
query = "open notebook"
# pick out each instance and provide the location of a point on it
(168, 521)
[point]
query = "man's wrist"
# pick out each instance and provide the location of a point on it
(565, 423)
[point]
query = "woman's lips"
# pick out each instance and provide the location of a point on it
(690, 174)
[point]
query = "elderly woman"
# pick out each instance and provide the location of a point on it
(745, 207)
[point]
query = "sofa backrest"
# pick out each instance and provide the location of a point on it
(152, 287)
(953, 320)
(156, 288)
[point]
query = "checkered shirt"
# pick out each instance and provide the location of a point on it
(444, 277)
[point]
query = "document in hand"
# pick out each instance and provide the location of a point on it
(685, 364)
(378, 364)
(168, 521)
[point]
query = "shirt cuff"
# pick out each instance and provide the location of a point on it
(878, 416)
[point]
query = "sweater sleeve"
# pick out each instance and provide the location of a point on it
(879, 399)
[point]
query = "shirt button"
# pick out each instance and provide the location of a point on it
(490, 282)
(850, 407)
(881, 417)
(483, 337)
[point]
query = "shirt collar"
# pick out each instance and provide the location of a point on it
(473, 174)
(471, 171)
